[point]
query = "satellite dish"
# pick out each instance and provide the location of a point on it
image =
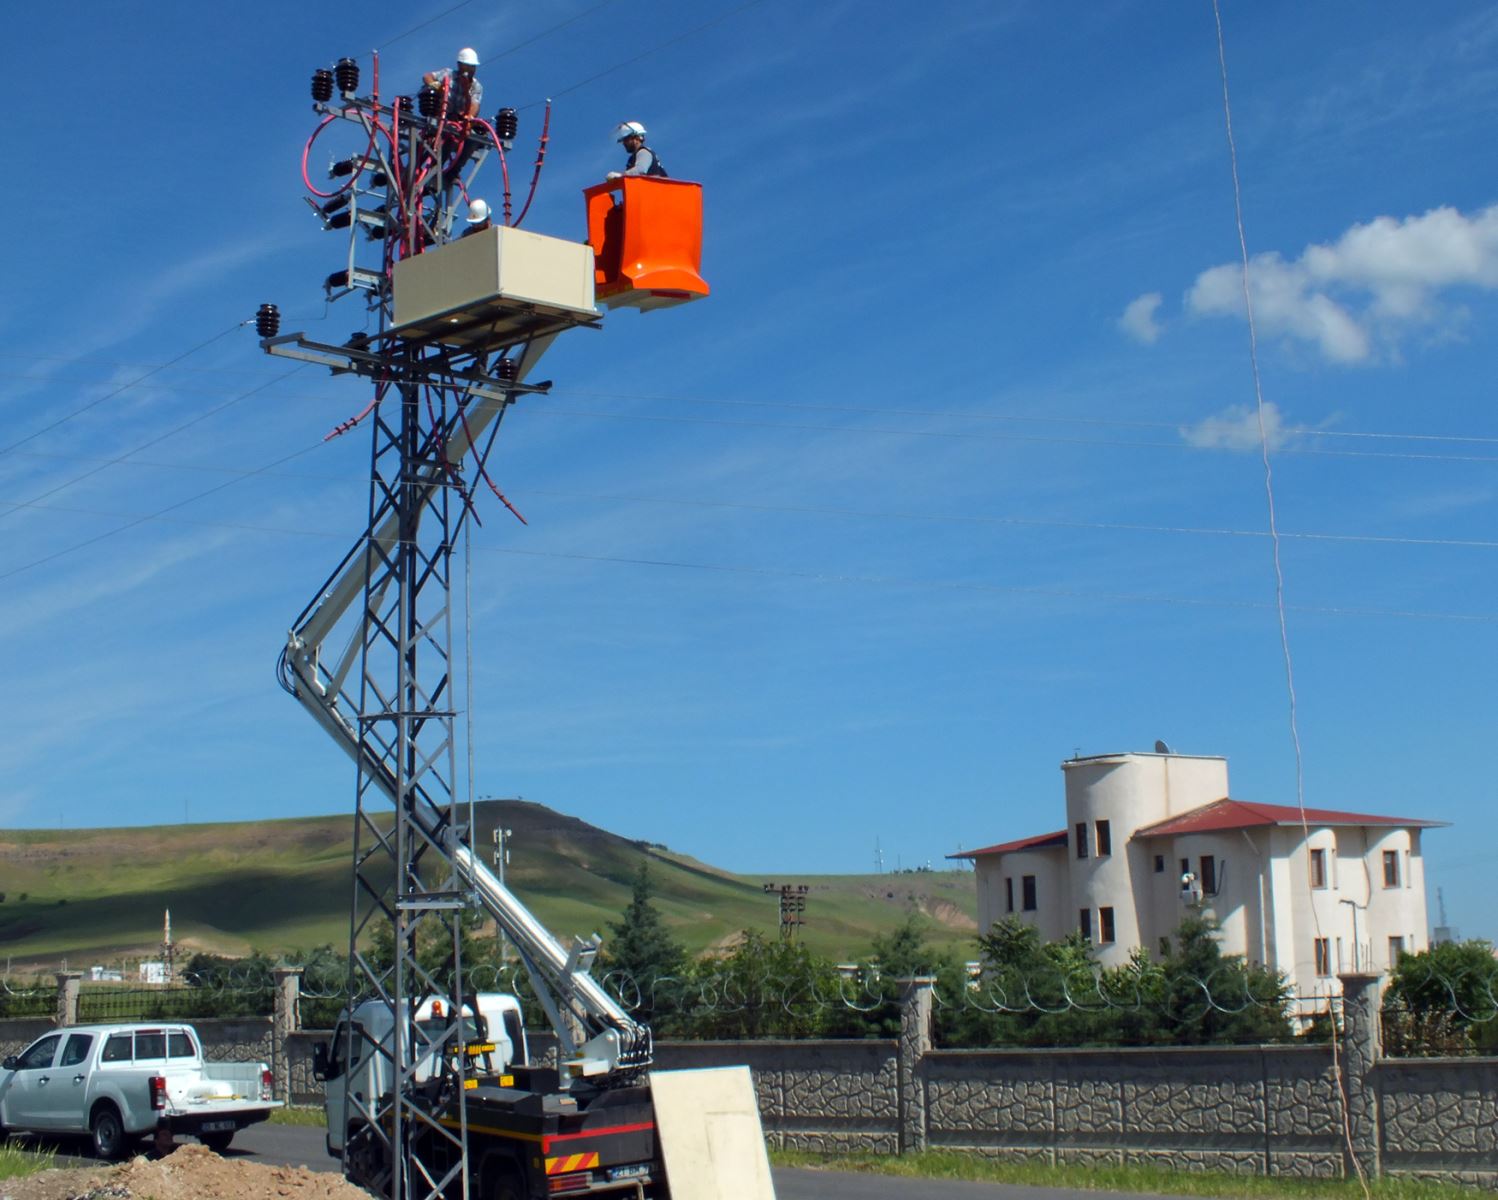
(1161, 747)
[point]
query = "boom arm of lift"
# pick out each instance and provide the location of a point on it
(611, 1040)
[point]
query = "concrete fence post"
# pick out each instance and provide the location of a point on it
(68, 983)
(916, 1003)
(286, 1019)
(1362, 1046)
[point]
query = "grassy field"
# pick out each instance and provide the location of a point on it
(97, 895)
(1147, 1180)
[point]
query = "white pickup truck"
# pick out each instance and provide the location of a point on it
(120, 1083)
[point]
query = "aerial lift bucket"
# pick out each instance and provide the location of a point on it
(646, 234)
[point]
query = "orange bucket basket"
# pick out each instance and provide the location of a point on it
(646, 234)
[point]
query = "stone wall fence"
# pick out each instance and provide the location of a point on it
(1296, 1110)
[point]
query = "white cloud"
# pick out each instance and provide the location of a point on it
(1138, 319)
(1365, 290)
(1237, 428)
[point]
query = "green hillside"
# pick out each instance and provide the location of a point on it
(98, 895)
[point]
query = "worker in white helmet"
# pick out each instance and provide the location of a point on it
(642, 159)
(465, 94)
(478, 217)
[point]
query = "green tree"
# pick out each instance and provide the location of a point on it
(642, 962)
(762, 988)
(1209, 996)
(1443, 1000)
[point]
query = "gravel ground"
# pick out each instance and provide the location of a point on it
(189, 1173)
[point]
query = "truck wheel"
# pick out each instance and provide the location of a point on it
(108, 1132)
(364, 1161)
(503, 1183)
(217, 1142)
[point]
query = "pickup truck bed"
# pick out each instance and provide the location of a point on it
(119, 1083)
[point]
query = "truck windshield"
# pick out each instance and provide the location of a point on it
(431, 1030)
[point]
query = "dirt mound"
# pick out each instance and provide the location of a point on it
(188, 1173)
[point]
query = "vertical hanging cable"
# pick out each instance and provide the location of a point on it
(1279, 573)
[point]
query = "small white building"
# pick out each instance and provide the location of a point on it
(100, 974)
(1150, 838)
(153, 972)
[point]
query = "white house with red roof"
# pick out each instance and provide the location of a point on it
(1151, 838)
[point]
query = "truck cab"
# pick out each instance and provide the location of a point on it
(350, 1066)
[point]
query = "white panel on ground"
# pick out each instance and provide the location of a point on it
(710, 1135)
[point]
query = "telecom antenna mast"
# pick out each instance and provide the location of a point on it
(454, 329)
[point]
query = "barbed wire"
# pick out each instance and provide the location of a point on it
(1429, 1011)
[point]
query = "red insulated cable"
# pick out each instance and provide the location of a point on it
(504, 164)
(307, 149)
(344, 426)
(540, 158)
(484, 470)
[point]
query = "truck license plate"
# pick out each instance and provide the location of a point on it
(629, 1171)
(217, 1126)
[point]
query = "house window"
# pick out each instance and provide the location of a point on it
(1208, 875)
(1105, 925)
(1323, 956)
(1084, 923)
(1008, 893)
(1159, 864)
(1391, 868)
(1081, 839)
(1104, 838)
(1027, 893)
(1396, 948)
(1318, 868)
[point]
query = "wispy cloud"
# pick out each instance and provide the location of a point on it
(1356, 298)
(1138, 320)
(1237, 428)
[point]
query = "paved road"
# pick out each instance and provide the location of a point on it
(298, 1145)
(302, 1146)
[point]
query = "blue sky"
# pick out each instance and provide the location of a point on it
(954, 475)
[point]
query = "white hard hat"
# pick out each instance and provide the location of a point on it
(628, 129)
(468, 57)
(478, 211)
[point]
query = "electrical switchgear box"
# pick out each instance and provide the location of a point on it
(484, 285)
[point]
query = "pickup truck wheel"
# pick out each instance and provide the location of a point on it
(108, 1132)
(217, 1142)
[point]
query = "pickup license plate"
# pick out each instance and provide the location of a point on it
(217, 1126)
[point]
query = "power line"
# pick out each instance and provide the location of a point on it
(973, 435)
(778, 572)
(628, 62)
(446, 12)
(68, 416)
(1307, 431)
(811, 509)
(176, 429)
(151, 516)
(587, 12)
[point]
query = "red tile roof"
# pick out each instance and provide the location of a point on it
(1227, 814)
(1043, 842)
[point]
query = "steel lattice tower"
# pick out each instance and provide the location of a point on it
(389, 696)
